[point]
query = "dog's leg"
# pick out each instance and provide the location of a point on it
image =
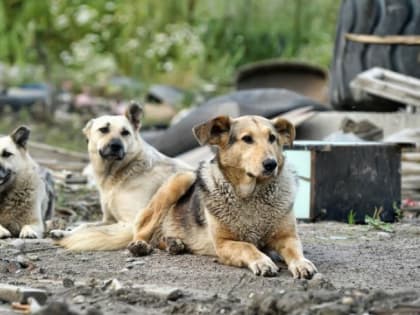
(35, 225)
(287, 243)
(149, 219)
(35, 230)
(174, 245)
(242, 254)
(4, 233)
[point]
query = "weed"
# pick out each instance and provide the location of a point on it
(376, 222)
(398, 211)
(351, 217)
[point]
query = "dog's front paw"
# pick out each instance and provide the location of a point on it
(58, 234)
(4, 233)
(264, 267)
(302, 268)
(174, 246)
(139, 248)
(27, 232)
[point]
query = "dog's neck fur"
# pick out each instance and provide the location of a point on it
(18, 197)
(253, 217)
(114, 171)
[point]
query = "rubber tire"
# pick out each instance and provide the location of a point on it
(269, 103)
(376, 17)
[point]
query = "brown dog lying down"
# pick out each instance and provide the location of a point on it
(236, 205)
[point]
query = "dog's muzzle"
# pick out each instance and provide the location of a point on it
(269, 166)
(4, 175)
(114, 150)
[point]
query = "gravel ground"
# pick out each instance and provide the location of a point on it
(361, 271)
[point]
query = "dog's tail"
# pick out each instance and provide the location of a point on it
(105, 237)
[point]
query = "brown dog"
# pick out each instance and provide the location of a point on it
(239, 204)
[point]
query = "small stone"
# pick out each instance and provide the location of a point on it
(318, 281)
(347, 300)
(68, 283)
(22, 260)
(33, 257)
(3, 266)
(383, 235)
(331, 309)
(134, 263)
(112, 285)
(130, 259)
(93, 311)
(18, 243)
(166, 293)
(79, 299)
(13, 266)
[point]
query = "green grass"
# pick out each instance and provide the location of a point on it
(351, 217)
(376, 222)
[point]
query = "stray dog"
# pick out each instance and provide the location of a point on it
(26, 200)
(127, 171)
(240, 203)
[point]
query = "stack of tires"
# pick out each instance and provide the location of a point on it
(374, 17)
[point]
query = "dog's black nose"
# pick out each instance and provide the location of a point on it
(269, 165)
(3, 172)
(115, 145)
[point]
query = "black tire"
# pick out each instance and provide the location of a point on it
(178, 138)
(406, 58)
(377, 17)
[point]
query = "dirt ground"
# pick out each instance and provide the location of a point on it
(361, 271)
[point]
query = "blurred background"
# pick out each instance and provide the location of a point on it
(83, 58)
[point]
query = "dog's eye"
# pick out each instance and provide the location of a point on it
(125, 133)
(104, 130)
(271, 138)
(247, 139)
(6, 154)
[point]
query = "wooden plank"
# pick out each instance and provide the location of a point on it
(387, 84)
(410, 168)
(384, 40)
(411, 157)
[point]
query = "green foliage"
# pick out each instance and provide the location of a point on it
(351, 217)
(398, 212)
(376, 222)
(185, 42)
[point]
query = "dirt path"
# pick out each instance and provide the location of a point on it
(362, 270)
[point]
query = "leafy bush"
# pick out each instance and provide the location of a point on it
(187, 42)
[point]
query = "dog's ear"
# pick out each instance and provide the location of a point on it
(285, 129)
(134, 114)
(20, 136)
(87, 127)
(215, 131)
